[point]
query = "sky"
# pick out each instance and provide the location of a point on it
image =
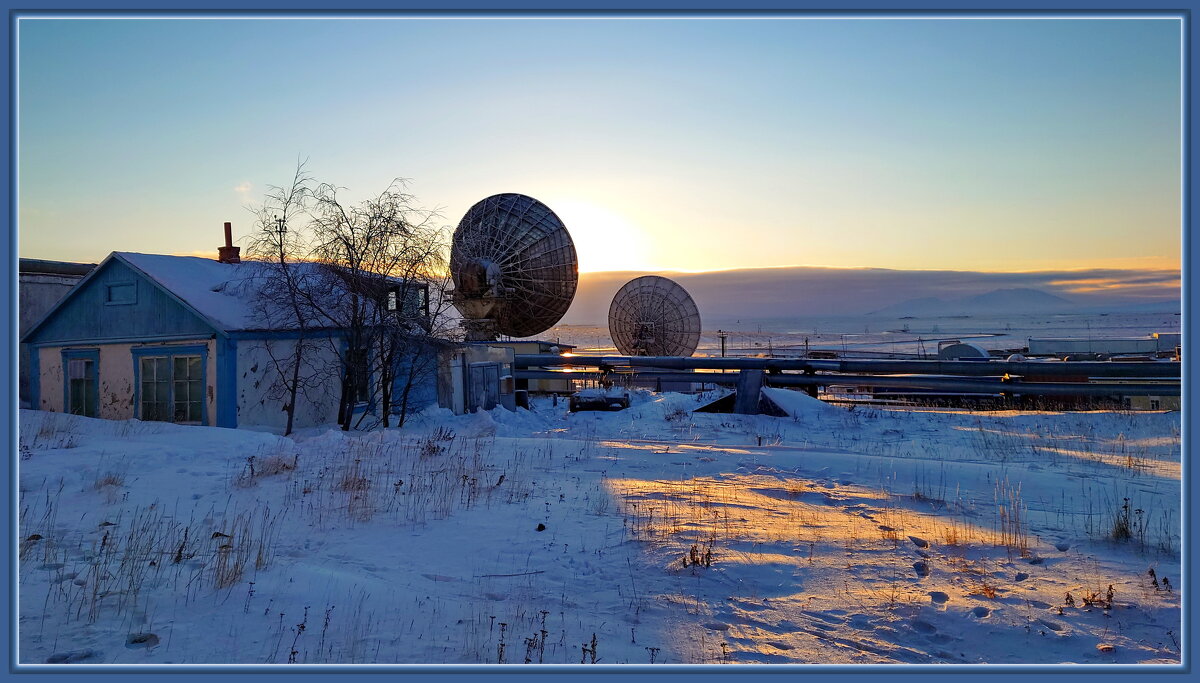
(747, 294)
(991, 145)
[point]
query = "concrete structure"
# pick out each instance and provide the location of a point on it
(41, 284)
(183, 339)
(475, 376)
(1159, 342)
(535, 347)
(1155, 402)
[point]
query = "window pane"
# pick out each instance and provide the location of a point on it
(156, 387)
(195, 411)
(89, 399)
(75, 386)
(180, 367)
(181, 391)
(195, 370)
(196, 390)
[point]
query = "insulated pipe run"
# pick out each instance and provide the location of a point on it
(999, 368)
(956, 384)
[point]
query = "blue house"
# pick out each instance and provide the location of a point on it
(182, 339)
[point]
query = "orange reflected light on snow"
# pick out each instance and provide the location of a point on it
(759, 509)
(1133, 455)
(815, 549)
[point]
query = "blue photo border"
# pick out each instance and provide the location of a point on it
(266, 8)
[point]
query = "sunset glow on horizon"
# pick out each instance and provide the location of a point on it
(673, 144)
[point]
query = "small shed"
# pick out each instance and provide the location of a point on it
(41, 285)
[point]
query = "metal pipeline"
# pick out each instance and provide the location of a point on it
(953, 384)
(982, 368)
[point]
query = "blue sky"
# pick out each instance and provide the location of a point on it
(992, 145)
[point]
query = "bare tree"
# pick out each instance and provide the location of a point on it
(381, 257)
(281, 302)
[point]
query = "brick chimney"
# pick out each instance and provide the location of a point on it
(229, 253)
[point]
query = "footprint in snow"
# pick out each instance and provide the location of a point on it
(923, 626)
(136, 640)
(981, 612)
(72, 656)
(919, 542)
(1063, 547)
(1021, 576)
(938, 597)
(922, 569)
(861, 622)
(823, 616)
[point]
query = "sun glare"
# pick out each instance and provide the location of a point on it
(604, 239)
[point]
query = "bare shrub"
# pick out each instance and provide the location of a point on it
(277, 464)
(676, 415)
(108, 480)
(1010, 519)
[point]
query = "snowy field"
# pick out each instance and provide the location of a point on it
(651, 535)
(881, 334)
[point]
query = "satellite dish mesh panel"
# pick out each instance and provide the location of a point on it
(654, 316)
(514, 248)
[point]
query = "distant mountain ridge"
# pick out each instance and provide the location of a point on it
(1011, 300)
(812, 291)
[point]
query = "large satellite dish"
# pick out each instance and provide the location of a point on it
(514, 268)
(654, 316)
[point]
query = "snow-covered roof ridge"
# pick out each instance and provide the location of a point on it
(224, 293)
(231, 296)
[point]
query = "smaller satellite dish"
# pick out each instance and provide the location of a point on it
(654, 316)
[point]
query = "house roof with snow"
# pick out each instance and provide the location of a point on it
(223, 293)
(226, 297)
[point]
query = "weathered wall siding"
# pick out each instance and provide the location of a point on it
(116, 377)
(116, 382)
(256, 373)
(424, 390)
(38, 294)
(50, 362)
(87, 316)
(210, 382)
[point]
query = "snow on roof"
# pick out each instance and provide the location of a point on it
(222, 292)
(231, 295)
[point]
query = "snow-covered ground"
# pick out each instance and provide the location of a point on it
(883, 334)
(650, 535)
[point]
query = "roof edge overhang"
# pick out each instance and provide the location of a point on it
(78, 287)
